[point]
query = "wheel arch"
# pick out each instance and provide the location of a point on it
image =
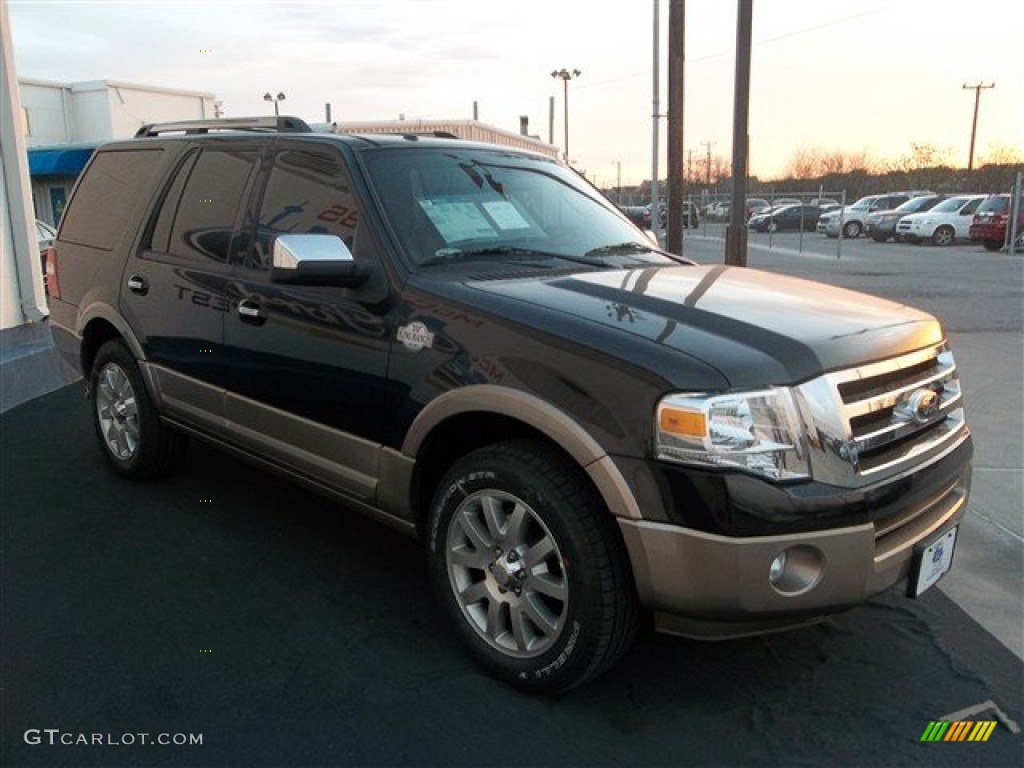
(102, 324)
(468, 418)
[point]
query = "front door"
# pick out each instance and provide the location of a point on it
(308, 365)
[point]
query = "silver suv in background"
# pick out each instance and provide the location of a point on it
(881, 225)
(851, 218)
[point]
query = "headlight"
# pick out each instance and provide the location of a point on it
(757, 432)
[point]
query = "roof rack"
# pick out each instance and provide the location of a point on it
(257, 124)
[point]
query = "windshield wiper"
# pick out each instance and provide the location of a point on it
(451, 255)
(633, 246)
(630, 246)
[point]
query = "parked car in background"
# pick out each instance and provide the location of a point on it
(756, 205)
(45, 235)
(785, 218)
(881, 225)
(691, 216)
(778, 202)
(948, 221)
(825, 203)
(853, 215)
(635, 213)
(991, 220)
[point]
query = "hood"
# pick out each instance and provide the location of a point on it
(756, 328)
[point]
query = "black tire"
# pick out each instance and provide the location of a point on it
(530, 567)
(944, 235)
(879, 238)
(851, 229)
(127, 425)
(992, 245)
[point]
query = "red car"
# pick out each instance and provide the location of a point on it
(990, 221)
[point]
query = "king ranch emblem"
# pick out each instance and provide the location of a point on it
(415, 336)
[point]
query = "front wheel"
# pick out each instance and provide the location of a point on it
(992, 245)
(530, 566)
(944, 235)
(128, 428)
(851, 229)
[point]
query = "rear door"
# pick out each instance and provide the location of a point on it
(965, 216)
(175, 289)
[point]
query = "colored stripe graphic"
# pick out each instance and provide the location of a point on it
(962, 730)
(959, 731)
(982, 731)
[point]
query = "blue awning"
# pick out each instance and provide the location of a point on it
(57, 162)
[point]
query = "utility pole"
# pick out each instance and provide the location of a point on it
(676, 60)
(977, 88)
(736, 232)
(655, 117)
(707, 170)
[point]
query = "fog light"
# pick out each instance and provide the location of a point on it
(796, 570)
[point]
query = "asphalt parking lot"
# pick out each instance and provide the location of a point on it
(228, 604)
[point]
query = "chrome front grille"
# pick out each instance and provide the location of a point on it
(872, 422)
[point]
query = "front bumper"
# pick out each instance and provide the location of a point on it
(704, 584)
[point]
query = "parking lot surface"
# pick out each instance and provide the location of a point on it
(228, 604)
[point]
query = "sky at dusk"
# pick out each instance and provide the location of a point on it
(871, 76)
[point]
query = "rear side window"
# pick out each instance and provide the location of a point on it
(103, 207)
(197, 217)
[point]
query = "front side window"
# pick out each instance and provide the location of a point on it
(308, 191)
(450, 204)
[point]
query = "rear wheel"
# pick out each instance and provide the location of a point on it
(992, 245)
(879, 238)
(944, 235)
(128, 428)
(530, 566)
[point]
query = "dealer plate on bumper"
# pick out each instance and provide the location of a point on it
(931, 562)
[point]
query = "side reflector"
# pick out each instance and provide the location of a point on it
(679, 422)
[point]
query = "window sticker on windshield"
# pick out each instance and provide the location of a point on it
(505, 215)
(457, 221)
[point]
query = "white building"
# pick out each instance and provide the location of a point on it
(63, 122)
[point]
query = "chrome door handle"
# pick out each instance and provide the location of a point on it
(250, 312)
(138, 284)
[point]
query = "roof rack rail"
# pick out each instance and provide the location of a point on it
(257, 124)
(427, 134)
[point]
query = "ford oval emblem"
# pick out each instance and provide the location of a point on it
(923, 405)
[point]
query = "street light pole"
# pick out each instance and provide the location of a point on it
(566, 75)
(280, 97)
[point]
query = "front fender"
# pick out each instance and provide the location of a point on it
(541, 416)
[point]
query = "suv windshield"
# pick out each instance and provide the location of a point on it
(864, 203)
(917, 205)
(952, 204)
(455, 204)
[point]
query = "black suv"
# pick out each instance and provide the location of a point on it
(471, 343)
